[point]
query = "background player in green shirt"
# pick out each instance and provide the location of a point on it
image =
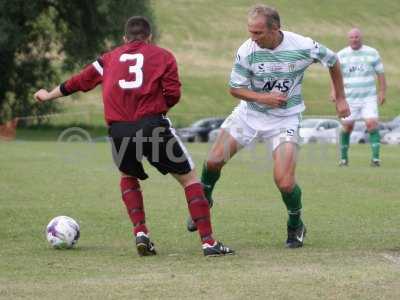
(361, 66)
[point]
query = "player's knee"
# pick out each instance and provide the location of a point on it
(348, 128)
(371, 126)
(215, 164)
(285, 184)
(286, 187)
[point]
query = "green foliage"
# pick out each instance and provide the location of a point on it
(38, 37)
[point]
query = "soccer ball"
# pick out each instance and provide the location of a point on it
(62, 232)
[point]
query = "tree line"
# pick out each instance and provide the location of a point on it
(42, 40)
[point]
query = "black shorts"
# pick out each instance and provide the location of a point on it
(150, 137)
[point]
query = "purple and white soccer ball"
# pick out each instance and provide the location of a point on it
(62, 232)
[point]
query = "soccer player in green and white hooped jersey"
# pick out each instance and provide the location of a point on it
(360, 64)
(267, 78)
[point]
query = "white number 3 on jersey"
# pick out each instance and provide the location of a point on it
(136, 69)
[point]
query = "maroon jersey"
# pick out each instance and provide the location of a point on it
(138, 79)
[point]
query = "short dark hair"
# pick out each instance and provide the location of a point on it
(270, 14)
(137, 28)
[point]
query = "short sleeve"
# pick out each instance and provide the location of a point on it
(323, 54)
(377, 64)
(241, 72)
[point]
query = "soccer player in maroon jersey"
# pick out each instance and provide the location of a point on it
(140, 83)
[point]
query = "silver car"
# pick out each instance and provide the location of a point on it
(319, 131)
(392, 138)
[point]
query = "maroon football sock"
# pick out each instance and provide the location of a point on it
(133, 199)
(199, 211)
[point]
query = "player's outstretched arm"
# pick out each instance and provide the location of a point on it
(44, 95)
(84, 81)
(342, 108)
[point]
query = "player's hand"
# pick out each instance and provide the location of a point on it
(274, 99)
(342, 108)
(42, 95)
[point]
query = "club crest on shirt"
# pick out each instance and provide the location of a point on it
(291, 67)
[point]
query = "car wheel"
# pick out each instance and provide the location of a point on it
(312, 140)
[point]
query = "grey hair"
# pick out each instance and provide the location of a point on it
(270, 14)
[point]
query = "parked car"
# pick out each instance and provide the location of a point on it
(393, 124)
(212, 136)
(360, 133)
(199, 130)
(319, 130)
(392, 137)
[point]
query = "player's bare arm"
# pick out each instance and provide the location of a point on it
(333, 92)
(342, 108)
(272, 99)
(382, 88)
(44, 95)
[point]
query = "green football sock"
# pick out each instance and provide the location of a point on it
(344, 144)
(374, 139)
(292, 201)
(208, 179)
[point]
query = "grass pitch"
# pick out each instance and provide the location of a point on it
(352, 250)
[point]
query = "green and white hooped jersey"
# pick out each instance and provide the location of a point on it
(359, 68)
(281, 69)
